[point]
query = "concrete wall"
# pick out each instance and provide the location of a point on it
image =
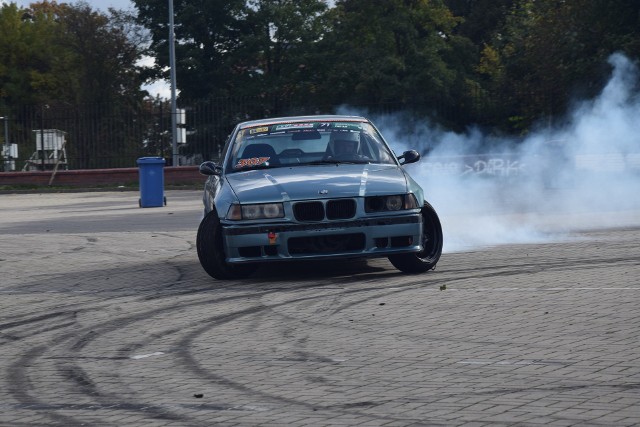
(181, 175)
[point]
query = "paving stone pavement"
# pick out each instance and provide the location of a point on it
(107, 319)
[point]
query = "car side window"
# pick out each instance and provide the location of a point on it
(377, 150)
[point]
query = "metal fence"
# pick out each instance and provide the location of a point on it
(64, 136)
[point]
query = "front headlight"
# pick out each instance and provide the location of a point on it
(251, 212)
(273, 210)
(258, 211)
(394, 203)
(390, 203)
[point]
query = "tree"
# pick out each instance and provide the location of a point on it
(81, 63)
(238, 48)
(102, 83)
(549, 52)
(251, 56)
(51, 52)
(102, 55)
(480, 18)
(279, 54)
(207, 32)
(27, 55)
(396, 52)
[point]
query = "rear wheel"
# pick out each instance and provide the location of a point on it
(425, 260)
(211, 254)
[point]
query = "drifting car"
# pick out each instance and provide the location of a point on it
(310, 188)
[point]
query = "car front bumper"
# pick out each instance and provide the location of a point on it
(370, 237)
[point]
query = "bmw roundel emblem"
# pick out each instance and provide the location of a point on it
(323, 192)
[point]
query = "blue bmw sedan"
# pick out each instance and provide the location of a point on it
(313, 187)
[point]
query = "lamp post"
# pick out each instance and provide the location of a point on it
(7, 146)
(172, 67)
(42, 136)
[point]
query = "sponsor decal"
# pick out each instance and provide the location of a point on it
(259, 130)
(347, 126)
(294, 126)
(253, 161)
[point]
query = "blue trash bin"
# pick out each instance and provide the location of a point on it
(151, 172)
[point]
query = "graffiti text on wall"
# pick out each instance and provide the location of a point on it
(497, 166)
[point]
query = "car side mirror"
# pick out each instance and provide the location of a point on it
(410, 156)
(210, 168)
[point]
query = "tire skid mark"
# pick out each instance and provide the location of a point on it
(33, 333)
(8, 338)
(201, 372)
(83, 341)
(554, 389)
(78, 376)
(211, 323)
(516, 270)
(342, 279)
(161, 412)
(125, 406)
(191, 364)
(91, 333)
(19, 385)
(19, 375)
(41, 318)
(411, 286)
(289, 319)
(552, 265)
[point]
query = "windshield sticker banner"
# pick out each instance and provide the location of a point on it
(253, 161)
(259, 130)
(294, 126)
(352, 126)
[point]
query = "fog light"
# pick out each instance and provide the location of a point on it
(381, 242)
(401, 241)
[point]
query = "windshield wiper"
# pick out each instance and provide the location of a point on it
(336, 162)
(250, 168)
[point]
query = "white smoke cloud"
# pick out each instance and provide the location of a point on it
(583, 175)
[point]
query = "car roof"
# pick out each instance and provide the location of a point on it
(296, 119)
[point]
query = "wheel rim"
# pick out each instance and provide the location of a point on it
(430, 243)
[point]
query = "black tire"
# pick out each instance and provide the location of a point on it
(427, 259)
(211, 251)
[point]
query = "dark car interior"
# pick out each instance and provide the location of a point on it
(303, 147)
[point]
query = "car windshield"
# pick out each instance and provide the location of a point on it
(307, 143)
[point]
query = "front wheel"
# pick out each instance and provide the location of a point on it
(211, 254)
(427, 259)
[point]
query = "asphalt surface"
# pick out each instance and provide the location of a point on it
(106, 318)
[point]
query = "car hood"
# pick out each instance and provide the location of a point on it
(317, 182)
